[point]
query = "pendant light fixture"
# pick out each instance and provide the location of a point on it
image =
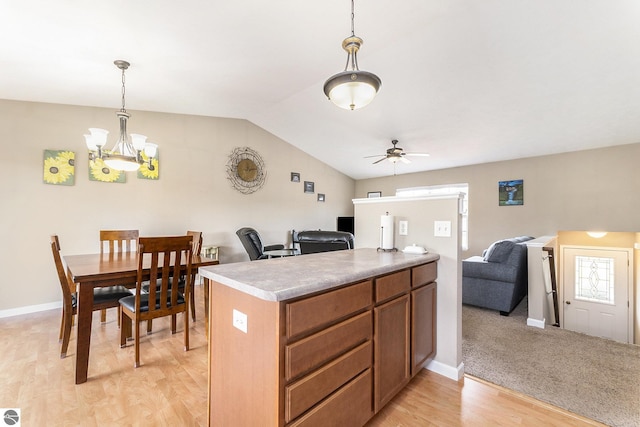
(126, 154)
(352, 88)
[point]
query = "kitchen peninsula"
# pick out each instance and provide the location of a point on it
(319, 339)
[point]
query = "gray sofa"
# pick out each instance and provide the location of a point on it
(497, 280)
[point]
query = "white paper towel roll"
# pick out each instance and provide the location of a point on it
(386, 232)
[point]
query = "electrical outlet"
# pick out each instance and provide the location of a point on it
(442, 228)
(403, 228)
(240, 320)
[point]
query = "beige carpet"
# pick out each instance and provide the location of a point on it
(593, 377)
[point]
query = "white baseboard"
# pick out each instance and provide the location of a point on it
(535, 322)
(450, 372)
(30, 309)
(40, 307)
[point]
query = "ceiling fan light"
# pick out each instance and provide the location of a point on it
(352, 89)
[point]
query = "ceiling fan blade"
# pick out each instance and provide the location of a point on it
(378, 161)
(405, 160)
(417, 154)
(376, 155)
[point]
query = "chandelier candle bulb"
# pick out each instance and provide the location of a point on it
(138, 141)
(150, 149)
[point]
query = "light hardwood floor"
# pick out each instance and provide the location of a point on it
(170, 388)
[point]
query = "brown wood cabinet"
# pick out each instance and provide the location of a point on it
(423, 315)
(333, 358)
(392, 349)
(423, 321)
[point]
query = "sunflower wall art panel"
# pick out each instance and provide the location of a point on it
(59, 167)
(149, 170)
(99, 171)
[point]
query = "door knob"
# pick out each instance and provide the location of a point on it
(568, 302)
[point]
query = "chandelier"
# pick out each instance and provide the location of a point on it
(352, 88)
(126, 154)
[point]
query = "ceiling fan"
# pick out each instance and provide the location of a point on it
(396, 154)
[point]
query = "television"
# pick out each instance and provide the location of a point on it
(346, 223)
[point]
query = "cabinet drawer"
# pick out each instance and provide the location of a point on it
(303, 394)
(311, 313)
(424, 274)
(392, 285)
(349, 406)
(318, 349)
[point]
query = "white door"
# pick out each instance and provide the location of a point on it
(596, 292)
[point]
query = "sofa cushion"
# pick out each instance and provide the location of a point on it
(487, 252)
(499, 251)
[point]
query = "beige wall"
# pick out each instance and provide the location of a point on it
(192, 192)
(584, 190)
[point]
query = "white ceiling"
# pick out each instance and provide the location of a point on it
(466, 81)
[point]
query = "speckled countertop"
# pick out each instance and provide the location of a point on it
(280, 279)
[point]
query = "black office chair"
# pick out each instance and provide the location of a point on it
(252, 243)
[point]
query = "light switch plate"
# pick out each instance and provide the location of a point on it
(403, 228)
(442, 228)
(240, 320)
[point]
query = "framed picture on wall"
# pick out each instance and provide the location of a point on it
(511, 193)
(59, 167)
(295, 177)
(309, 187)
(374, 194)
(320, 197)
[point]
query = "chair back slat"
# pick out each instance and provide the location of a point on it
(118, 241)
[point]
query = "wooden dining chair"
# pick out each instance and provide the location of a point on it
(165, 255)
(117, 241)
(103, 298)
(196, 250)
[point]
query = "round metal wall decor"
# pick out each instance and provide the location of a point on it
(245, 170)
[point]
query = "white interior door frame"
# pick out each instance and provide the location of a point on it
(630, 276)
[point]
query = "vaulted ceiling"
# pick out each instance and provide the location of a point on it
(465, 81)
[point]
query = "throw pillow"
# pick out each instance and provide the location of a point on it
(501, 251)
(487, 252)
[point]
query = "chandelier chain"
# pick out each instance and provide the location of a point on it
(123, 91)
(353, 16)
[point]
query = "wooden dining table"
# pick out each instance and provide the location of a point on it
(97, 270)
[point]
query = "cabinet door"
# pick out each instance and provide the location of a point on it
(423, 326)
(391, 335)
